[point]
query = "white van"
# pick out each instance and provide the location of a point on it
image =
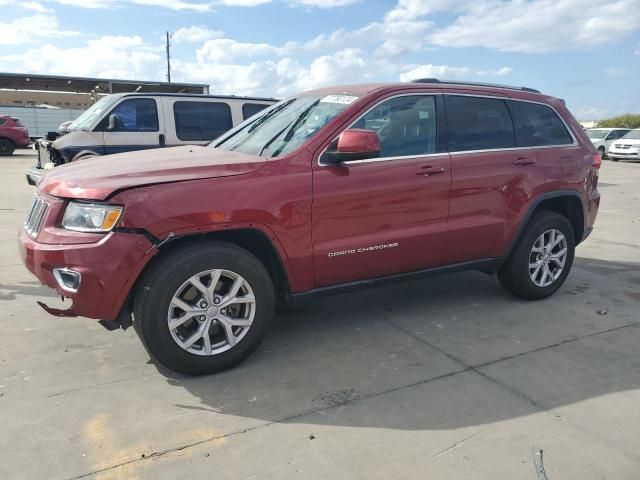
(135, 121)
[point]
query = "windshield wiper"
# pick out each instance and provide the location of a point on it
(273, 139)
(303, 116)
(267, 116)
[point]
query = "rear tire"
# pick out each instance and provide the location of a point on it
(230, 337)
(7, 147)
(524, 274)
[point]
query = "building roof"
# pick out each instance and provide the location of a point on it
(27, 81)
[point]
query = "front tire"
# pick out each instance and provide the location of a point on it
(602, 152)
(204, 307)
(542, 259)
(7, 147)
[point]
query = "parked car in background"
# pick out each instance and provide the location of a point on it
(602, 138)
(12, 135)
(627, 148)
(324, 192)
(135, 121)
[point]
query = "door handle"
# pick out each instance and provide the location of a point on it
(161, 140)
(429, 170)
(524, 161)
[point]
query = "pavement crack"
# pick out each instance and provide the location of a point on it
(457, 444)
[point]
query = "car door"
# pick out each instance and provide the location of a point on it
(379, 216)
(193, 121)
(135, 123)
(492, 178)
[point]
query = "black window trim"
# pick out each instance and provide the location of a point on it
(175, 123)
(506, 100)
(440, 126)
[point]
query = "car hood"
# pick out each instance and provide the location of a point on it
(100, 177)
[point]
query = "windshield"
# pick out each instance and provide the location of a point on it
(285, 126)
(633, 135)
(597, 134)
(84, 121)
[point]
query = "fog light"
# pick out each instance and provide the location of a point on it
(69, 280)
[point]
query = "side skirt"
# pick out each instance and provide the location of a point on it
(488, 266)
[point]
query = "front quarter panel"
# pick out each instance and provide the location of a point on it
(275, 200)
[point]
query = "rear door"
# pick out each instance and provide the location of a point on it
(492, 177)
(384, 215)
(136, 123)
(194, 121)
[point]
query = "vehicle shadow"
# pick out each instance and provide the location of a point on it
(417, 355)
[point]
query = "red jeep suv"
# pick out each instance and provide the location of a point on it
(326, 190)
(12, 134)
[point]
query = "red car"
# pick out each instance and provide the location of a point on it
(12, 135)
(330, 189)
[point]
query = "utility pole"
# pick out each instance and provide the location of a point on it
(168, 58)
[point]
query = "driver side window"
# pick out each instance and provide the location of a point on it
(406, 125)
(133, 115)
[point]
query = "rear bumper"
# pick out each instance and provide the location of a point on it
(108, 270)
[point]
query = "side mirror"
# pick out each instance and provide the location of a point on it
(114, 122)
(353, 144)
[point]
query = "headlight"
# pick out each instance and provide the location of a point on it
(91, 217)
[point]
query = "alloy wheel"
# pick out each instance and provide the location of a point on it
(211, 312)
(547, 258)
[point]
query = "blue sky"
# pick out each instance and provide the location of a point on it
(585, 51)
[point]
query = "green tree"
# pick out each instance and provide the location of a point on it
(628, 120)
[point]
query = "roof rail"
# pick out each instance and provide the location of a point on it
(477, 84)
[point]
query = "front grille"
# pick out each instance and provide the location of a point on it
(34, 219)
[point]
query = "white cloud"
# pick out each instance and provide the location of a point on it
(414, 72)
(27, 29)
(107, 56)
(500, 72)
(243, 3)
(196, 34)
(324, 3)
(413, 9)
(36, 7)
(225, 49)
(539, 25)
(615, 72)
(177, 5)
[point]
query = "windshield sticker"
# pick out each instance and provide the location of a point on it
(345, 99)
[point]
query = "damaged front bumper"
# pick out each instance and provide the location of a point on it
(48, 157)
(96, 277)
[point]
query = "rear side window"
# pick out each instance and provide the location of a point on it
(2, 121)
(250, 109)
(201, 120)
(133, 115)
(538, 125)
(476, 123)
(406, 125)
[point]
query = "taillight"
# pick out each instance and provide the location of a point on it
(597, 160)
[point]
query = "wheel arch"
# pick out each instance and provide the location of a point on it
(567, 203)
(253, 240)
